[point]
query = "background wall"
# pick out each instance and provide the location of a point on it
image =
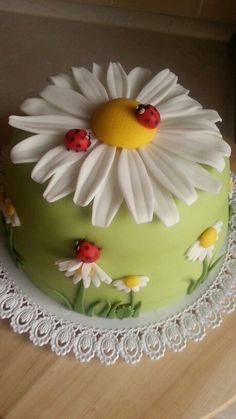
(216, 10)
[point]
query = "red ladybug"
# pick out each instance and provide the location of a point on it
(148, 115)
(77, 140)
(86, 251)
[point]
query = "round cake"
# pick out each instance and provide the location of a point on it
(135, 211)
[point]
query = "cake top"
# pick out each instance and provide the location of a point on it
(108, 136)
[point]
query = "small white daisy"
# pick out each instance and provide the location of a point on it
(146, 167)
(204, 246)
(131, 283)
(10, 213)
(87, 272)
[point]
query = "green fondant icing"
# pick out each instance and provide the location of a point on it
(92, 306)
(105, 310)
(112, 312)
(8, 231)
(124, 310)
(48, 232)
(137, 309)
(63, 299)
(206, 269)
(79, 298)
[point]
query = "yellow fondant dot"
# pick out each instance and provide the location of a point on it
(209, 237)
(131, 281)
(115, 123)
(9, 209)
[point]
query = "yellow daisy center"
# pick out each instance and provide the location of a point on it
(131, 281)
(115, 123)
(9, 209)
(208, 237)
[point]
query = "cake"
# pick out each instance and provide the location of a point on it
(135, 210)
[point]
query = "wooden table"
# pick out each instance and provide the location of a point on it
(34, 383)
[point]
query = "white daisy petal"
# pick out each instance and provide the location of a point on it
(15, 221)
(47, 124)
(200, 177)
(165, 207)
(90, 86)
(117, 81)
(77, 278)
(108, 199)
(188, 124)
(74, 265)
(158, 88)
(144, 280)
(86, 270)
(38, 106)
(135, 289)
(218, 226)
(63, 263)
(117, 283)
(96, 281)
(193, 149)
(210, 251)
(178, 106)
(68, 274)
(203, 254)
(164, 171)
(193, 251)
(64, 80)
(33, 148)
(68, 100)
(137, 79)
(176, 91)
(63, 182)
(99, 73)
(101, 274)
(55, 159)
(87, 282)
(136, 186)
(93, 173)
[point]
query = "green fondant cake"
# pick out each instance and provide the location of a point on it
(135, 210)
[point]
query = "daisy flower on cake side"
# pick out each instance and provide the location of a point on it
(108, 136)
(204, 246)
(202, 251)
(83, 267)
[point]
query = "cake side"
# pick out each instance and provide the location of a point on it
(49, 230)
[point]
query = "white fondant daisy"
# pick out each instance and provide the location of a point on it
(128, 158)
(9, 212)
(81, 271)
(203, 247)
(131, 283)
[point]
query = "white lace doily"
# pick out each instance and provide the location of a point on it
(47, 322)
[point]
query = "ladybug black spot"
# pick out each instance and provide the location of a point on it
(87, 247)
(147, 120)
(72, 138)
(152, 113)
(156, 121)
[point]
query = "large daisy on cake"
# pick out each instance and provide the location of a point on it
(109, 136)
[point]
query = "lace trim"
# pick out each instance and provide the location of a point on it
(132, 343)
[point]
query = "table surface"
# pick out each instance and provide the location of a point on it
(34, 383)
